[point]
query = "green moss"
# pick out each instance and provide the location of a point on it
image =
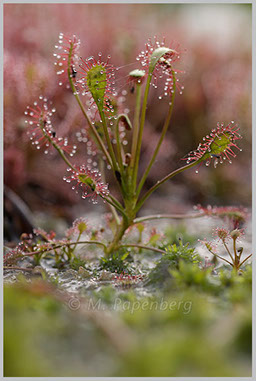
(117, 262)
(171, 260)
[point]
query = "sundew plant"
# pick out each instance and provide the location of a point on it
(92, 82)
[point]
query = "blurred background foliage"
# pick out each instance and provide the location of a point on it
(43, 337)
(216, 57)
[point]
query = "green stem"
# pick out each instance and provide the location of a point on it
(60, 151)
(17, 268)
(109, 144)
(235, 252)
(249, 256)
(79, 235)
(114, 165)
(135, 134)
(116, 202)
(118, 146)
(160, 182)
(63, 156)
(223, 259)
(114, 245)
(112, 208)
(144, 247)
(112, 201)
(95, 132)
(226, 247)
(62, 245)
(140, 132)
(168, 216)
(164, 130)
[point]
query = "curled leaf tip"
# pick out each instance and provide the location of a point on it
(157, 55)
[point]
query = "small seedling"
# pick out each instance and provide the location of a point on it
(234, 253)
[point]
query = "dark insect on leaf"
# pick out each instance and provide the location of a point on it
(118, 176)
(73, 72)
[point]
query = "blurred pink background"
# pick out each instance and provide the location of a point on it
(216, 58)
